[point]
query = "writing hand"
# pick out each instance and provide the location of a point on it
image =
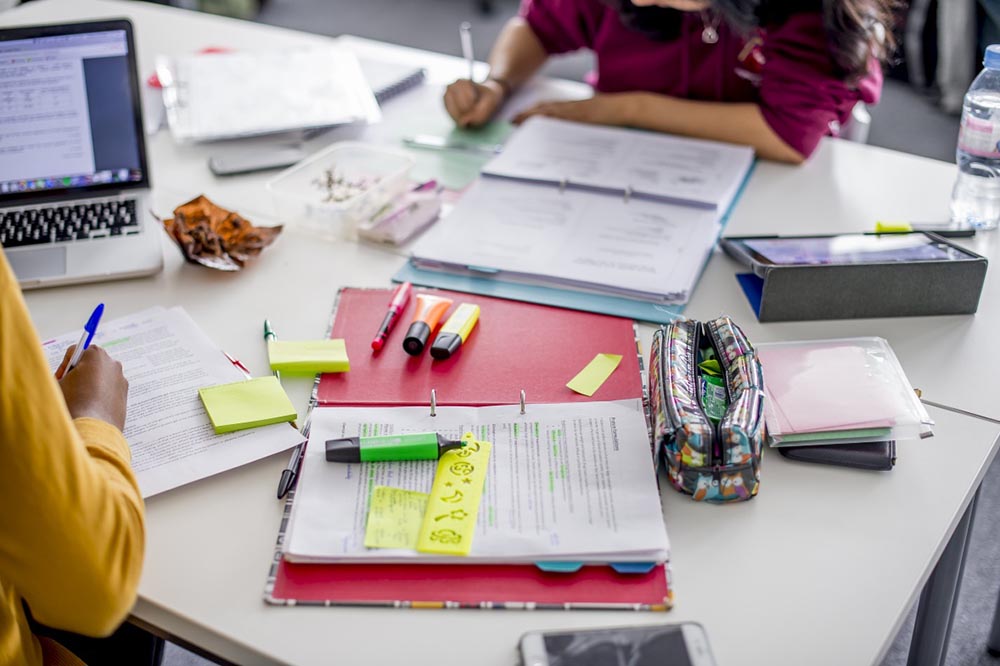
(472, 104)
(96, 387)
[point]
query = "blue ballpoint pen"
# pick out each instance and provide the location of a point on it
(288, 474)
(89, 329)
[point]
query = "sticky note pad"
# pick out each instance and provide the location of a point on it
(453, 508)
(394, 518)
(247, 404)
(596, 373)
(308, 356)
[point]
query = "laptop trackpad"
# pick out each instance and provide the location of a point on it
(41, 263)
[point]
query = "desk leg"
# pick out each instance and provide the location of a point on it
(936, 610)
(993, 646)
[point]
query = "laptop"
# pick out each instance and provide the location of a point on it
(74, 184)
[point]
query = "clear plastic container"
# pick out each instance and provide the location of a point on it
(333, 191)
(838, 391)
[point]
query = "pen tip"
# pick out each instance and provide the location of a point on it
(376, 345)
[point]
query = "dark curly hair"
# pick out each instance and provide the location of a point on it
(857, 30)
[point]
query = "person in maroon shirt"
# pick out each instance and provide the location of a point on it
(776, 75)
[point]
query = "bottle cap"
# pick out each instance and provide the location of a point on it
(992, 59)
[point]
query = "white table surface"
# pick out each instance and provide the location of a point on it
(820, 568)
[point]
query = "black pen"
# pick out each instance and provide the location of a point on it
(291, 470)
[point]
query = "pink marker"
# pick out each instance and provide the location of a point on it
(400, 298)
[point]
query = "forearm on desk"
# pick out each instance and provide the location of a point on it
(741, 123)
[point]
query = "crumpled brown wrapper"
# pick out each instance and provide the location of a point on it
(215, 237)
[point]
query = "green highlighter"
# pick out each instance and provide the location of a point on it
(416, 446)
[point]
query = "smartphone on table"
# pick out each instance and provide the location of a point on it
(684, 644)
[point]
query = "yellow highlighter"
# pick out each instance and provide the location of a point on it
(882, 227)
(455, 331)
(945, 229)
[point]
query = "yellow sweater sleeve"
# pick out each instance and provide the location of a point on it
(71, 530)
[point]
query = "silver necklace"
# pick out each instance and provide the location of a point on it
(710, 24)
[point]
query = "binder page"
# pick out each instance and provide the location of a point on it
(166, 359)
(640, 249)
(660, 166)
(570, 481)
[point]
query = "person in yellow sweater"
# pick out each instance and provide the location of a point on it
(72, 518)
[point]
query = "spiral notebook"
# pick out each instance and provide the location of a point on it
(388, 80)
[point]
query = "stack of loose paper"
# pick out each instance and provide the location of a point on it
(565, 482)
(228, 95)
(842, 391)
(167, 359)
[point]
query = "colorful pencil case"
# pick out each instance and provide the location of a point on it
(707, 392)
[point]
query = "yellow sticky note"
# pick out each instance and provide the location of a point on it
(394, 518)
(247, 404)
(596, 373)
(453, 508)
(308, 356)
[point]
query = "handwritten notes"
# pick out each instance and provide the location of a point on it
(394, 518)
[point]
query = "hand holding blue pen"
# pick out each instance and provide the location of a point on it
(89, 329)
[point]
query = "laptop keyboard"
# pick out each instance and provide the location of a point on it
(70, 222)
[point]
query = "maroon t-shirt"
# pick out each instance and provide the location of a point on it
(787, 70)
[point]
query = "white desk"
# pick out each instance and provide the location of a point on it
(820, 568)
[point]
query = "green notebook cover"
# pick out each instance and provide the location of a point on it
(835, 437)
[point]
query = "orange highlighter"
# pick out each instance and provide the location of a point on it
(430, 309)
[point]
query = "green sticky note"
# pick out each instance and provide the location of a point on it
(247, 404)
(308, 356)
(394, 518)
(596, 373)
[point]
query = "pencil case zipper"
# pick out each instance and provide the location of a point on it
(687, 374)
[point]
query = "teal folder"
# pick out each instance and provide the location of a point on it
(563, 298)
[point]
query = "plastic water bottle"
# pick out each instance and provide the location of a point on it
(976, 198)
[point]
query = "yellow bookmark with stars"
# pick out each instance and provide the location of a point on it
(453, 507)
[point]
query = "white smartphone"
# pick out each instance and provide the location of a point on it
(257, 160)
(684, 644)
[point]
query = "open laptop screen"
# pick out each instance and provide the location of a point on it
(69, 111)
